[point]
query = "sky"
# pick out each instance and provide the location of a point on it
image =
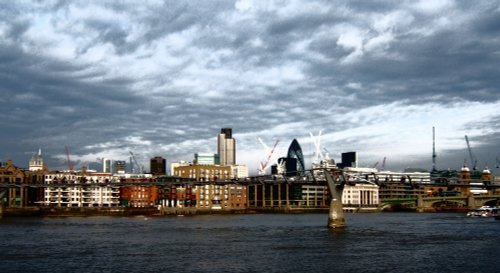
(161, 78)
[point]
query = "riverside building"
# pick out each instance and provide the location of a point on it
(209, 195)
(22, 195)
(80, 189)
(136, 195)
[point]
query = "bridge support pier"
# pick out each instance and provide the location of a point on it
(336, 217)
(2, 193)
(420, 203)
(471, 202)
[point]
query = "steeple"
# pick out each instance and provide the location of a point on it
(36, 163)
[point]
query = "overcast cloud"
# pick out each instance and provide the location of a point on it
(162, 78)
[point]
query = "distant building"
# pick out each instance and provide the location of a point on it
(107, 165)
(120, 166)
(36, 162)
(207, 159)
(295, 151)
(174, 165)
(226, 147)
(349, 159)
(203, 172)
(286, 166)
(158, 165)
(239, 171)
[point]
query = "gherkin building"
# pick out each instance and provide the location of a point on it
(295, 151)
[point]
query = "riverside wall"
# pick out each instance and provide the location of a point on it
(151, 211)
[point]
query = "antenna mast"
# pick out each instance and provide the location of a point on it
(433, 149)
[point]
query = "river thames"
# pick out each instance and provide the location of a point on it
(378, 242)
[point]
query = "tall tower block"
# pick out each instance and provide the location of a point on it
(226, 147)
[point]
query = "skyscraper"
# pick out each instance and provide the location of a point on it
(158, 165)
(226, 147)
(120, 166)
(295, 151)
(106, 165)
(349, 159)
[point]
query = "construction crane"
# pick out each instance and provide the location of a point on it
(138, 168)
(264, 165)
(473, 161)
(326, 156)
(317, 155)
(70, 165)
(376, 164)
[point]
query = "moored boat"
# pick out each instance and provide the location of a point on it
(485, 211)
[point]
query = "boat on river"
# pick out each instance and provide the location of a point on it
(485, 211)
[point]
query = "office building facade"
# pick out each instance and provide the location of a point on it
(206, 159)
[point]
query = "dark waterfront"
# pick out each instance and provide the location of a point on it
(381, 242)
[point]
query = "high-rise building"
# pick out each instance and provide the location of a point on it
(158, 165)
(295, 151)
(120, 166)
(106, 165)
(226, 147)
(349, 159)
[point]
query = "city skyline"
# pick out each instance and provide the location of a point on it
(162, 78)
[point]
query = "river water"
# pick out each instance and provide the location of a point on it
(378, 242)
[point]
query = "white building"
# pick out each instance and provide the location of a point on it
(359, 196)
(362, 196)
(373, 175)
(77, 189)
(239, 171)
(174, 165)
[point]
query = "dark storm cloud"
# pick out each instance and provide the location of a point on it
(44, 101)
(456, 61)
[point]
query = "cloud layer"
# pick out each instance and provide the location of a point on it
(163, 77)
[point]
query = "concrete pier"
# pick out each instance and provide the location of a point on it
(2, 193)
(336, 217)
